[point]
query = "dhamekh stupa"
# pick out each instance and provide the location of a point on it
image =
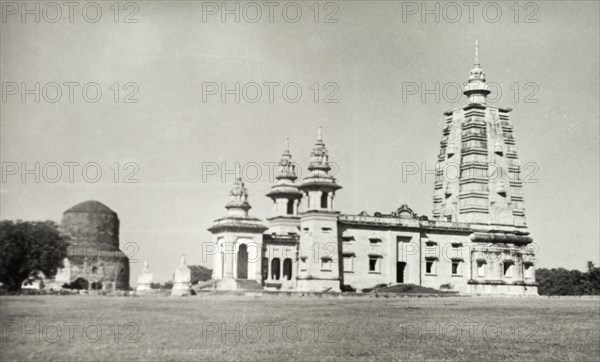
(94, 257)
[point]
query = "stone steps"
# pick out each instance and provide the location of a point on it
(229, 284)
(246, 284)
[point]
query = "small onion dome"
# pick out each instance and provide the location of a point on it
(287, 167)
(286, 186)
(319, 157)
(319, 167)
(284, 190)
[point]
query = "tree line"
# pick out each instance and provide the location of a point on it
(560, 281)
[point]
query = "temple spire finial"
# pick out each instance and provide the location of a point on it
(476, 89)
(320, 139)
(287, 145)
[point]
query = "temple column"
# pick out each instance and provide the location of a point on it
(269, 269)
(229, 249)
(518, 269)
(218, 265)
(281, 268)
(498, 272)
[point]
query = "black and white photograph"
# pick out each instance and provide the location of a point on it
(345, 180)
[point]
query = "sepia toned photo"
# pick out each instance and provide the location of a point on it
(354, 180)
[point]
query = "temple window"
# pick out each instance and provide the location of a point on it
(374, 264)
(290, 207)
(303, 264)
(430, 267)
(326, 264)
(507, 267)
(326, 230)
(348, 263)
(324, 200)
(455, 268)
(481, 269)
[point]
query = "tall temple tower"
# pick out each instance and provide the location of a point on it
(286, 197)
(238, 240)
(477, 176)
(478, 188)
(319, 268)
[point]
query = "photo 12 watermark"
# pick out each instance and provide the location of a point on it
(252, 12)
(452, 92)
(466, 12)
(93, 251)
(250, 172)
(317, 251)
(485, 171)
(468, 332)
(269, 92)
(70, 332)
(69, 172)
(50, 12)
(269, 332)
(70, 92)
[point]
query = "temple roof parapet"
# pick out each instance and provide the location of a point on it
(479, 232)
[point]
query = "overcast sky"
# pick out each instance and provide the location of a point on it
(368, 60)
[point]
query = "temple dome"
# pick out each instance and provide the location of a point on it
(90, 207)
(91, 222)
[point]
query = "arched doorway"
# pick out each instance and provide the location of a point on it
(242, 262)
(287, 268)
(275, 272)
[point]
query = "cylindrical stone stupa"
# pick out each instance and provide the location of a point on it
(92, 230)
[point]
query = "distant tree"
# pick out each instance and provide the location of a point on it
(27, 248)
(569, 282)
(199, 273)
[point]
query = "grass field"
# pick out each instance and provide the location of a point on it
(232, 327)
